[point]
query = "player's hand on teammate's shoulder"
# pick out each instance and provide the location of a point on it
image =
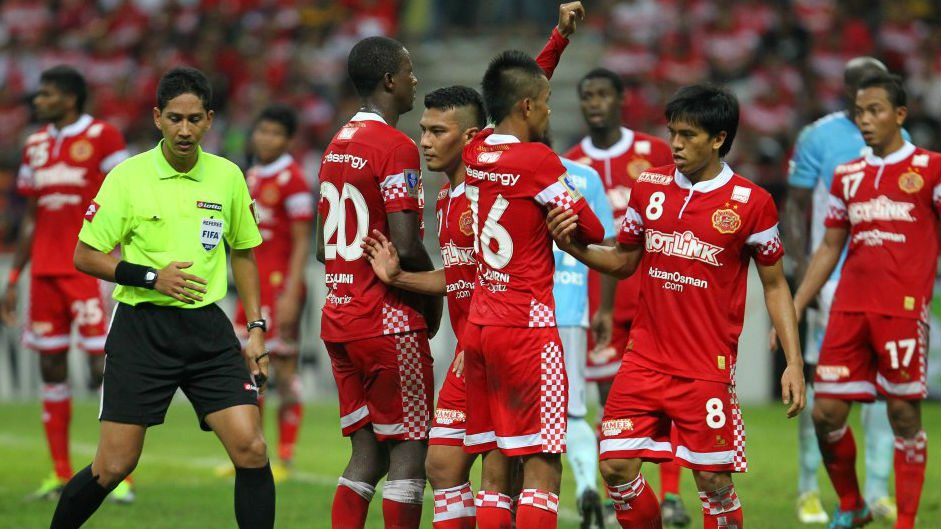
(569, 15)
(793, 391)
(8, 307)
(174, 282)
(458, 366)
(562, 224)
(382, 255)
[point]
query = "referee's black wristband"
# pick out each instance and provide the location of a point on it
(135, 275)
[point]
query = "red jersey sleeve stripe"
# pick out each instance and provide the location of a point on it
(299, 206)
(557, 196)
(767, 245)
(836, 213)
(113, 159)
(632, 227)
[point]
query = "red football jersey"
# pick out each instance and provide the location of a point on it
(511, 186)
(63, 170)
(368, 170)
(890, 205)
(698, 240)
(281, 197)
(456, 236)
(619, 166)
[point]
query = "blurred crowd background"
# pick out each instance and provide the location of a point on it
(783, 58)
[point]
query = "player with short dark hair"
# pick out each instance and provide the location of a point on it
(886, 206)
(515, 373)
(285, 209)
(63, 166)
(697, 225)
(377, 336)
(176, 201)
(821, 146)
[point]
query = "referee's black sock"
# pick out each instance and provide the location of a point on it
(80, 498)
(254, 497)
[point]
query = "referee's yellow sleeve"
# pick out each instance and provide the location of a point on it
(243, 228)
(106, 220)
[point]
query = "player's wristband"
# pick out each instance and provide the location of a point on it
(13, 277)
(135, 275)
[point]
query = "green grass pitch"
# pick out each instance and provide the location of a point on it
(176, 488)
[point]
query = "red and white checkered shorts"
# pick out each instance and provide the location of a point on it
(449, 422)
(386, 381)
(644, 404)
(517, 390)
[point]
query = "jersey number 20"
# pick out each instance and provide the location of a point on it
(336, 221)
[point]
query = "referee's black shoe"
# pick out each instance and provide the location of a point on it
(589, 507)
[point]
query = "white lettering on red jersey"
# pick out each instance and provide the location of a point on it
(619, 167)
(281, 197)
(698, 240)
(456, 236)
(890, 207)
(369, 170)
(62, 170)
(511, 186)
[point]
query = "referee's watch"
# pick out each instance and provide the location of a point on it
(258, 324)
(150, 278)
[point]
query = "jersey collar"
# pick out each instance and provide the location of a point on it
(620, 147)
(709, 185)
(457, 191)
(73, 129)
(165, 170)
(275, 167)
(893, 158)
(367, 116)
(500, 139)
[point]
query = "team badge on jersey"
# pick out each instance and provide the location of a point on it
(412, 182)
(466, 223)
(637, 166)
(210, 233)
(269, 195)
(566, 181)
(81, 150)
(911, 182)
(726, 221)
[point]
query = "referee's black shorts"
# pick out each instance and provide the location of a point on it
(153, 350)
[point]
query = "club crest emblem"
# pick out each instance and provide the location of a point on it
(81, 150)
(726, 221)
(210, 233)
(466, 223)
(911, 182)
(637, 166)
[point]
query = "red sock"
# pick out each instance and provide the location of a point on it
(289, 422)
(669, 479)
(537, 509)
(454, 508)
(839, 458)
(350, 504)
(721, 509)
(493, 510)
(56, 415)
(261, 407)
(636, 505)
(402, 502)
(911, 456)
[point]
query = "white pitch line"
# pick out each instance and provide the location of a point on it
(210, 462)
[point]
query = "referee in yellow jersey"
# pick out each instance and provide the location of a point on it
(170, 209)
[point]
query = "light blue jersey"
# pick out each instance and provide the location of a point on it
(571, 276)
(823, 145)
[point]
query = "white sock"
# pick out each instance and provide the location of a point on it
(582, 453)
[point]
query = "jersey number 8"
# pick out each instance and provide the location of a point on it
(336, 221)
(492, 230)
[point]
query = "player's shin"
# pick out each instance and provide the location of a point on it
(80, 498)
(911, 456)
(56, 415)
(721, 509)
(493, 510)
(839, 457)
(878, 451)
(254, 497)
(351, 503)
(402, 502)
(635, 504)
(289, 420)
(582, 454)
